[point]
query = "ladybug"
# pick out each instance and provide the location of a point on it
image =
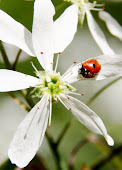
(90, 68)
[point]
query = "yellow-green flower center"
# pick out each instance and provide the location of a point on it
(52, 85)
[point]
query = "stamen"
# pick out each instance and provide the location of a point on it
(43, 58)
(78, 94)
(40, 81)
(96, 9)
(30, 86)
(63, 103)
(35, 68)
(68, 75)
(70, 108)
(99, 5)
(92, 6)
(46, 88)
(56, 65)
(68, 69)
(61, 86)
(95, 4)
(50, 113)
(55, 98)
(48, 79)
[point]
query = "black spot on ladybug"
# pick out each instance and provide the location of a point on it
(90, 68)
(94, 65)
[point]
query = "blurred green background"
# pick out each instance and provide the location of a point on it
(108, 104)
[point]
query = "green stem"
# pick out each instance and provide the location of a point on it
(4, 55)
(54, 149)
(74, 152)
(102, 89)
(16, 60)
(64, 131)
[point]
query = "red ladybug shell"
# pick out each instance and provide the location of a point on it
(90, 68)
(92, 65)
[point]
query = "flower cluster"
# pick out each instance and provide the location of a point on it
(49, 37)
(85, 7)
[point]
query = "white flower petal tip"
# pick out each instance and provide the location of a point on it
(13, 80)
(113, 26)
(65, 28)
(14, 162)
(86, 116)
(109, 140)
(111, 66)
(30, 133)
(14, 33)
(55, 36)
(43, 27)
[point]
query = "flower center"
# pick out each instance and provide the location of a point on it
(52, 85)
(85, 4)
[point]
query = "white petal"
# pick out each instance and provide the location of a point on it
(29, 134)
(86, 116)
(13, 80)
(14, 33)
(72, 74)
(98, 34)
(111, 65)
(43, 32)
(65, 28)
(46, 61)
(113, 26)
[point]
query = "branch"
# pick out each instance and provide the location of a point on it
(64, 131)
(4, 55)
(18, 101)
(16, 59)
(90, 138)
(54, 149)
(102, 89)
(106, 159)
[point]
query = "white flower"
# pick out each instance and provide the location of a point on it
(47, 36)
(111, 66)
(49, 86)
(84, 8)
(113, 26)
